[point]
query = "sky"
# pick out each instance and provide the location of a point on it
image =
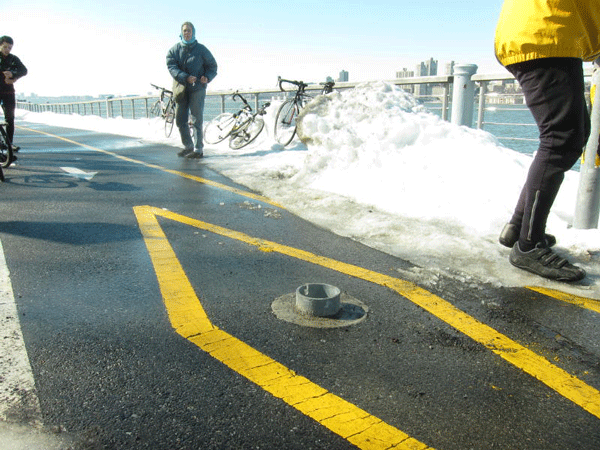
(73, 47)
(375, 166)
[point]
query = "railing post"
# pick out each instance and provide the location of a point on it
(445, 101)
(481, 110)
(463, 95)
(587, 207)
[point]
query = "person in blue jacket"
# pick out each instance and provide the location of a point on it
(11, 69)
(193, 65)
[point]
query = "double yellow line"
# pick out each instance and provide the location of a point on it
(357, 426)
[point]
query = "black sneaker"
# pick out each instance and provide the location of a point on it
(185, 152)
(544, 262)
(195, 155)
(510, 235)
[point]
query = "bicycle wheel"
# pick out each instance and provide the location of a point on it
(285, 122)
(6, 152)
(169, 118)
(219, 128)
(247, 133)
(155, 110)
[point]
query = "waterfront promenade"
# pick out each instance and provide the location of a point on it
(145, 286)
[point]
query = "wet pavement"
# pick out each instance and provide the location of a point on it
(149, 291)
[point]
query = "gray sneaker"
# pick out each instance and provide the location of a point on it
(185, 152)
(195, 155)
(544, 262)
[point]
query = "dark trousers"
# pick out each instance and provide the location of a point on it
(554, 93)
(192, 105)
(8, 106)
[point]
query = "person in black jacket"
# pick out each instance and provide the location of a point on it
(11, 69)
(193, 65)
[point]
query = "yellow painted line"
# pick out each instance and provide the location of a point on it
(535, 365)
(190, 321)
(583, 302)
(221, 186)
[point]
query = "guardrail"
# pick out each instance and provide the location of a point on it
(126, 107)
(443, 94)
(135, 107)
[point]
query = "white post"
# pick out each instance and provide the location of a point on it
(587, 207)
(463, 95)
(480, 111)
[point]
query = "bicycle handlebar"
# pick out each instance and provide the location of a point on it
(161, 88)
(301, 84)
(242, 99)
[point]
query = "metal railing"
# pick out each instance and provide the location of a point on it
(440, 95)
(126, 107)
(135, 107)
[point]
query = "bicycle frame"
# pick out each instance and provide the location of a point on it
(165, 99)
(222, 126)
(300, 96)
(243, 115)
(167, 108)
(248, 129)
(285, 119)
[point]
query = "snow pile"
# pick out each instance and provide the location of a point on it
(414, 163)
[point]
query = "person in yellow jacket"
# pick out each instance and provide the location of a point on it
(543, 43)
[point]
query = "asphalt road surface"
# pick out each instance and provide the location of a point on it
(153, 308)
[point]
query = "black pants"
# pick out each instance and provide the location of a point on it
(8, 106)
(554, 93)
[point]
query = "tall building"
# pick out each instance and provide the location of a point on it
(343, 76)
(425, 69)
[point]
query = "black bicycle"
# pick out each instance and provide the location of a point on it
(165, 108)
(6, 150)
(285, 120)
(242, 127)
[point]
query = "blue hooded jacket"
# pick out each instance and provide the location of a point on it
(184, 60)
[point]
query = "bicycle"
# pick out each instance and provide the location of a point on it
(241, 127)
(285, 119)
(6, 150)
(164, 108)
